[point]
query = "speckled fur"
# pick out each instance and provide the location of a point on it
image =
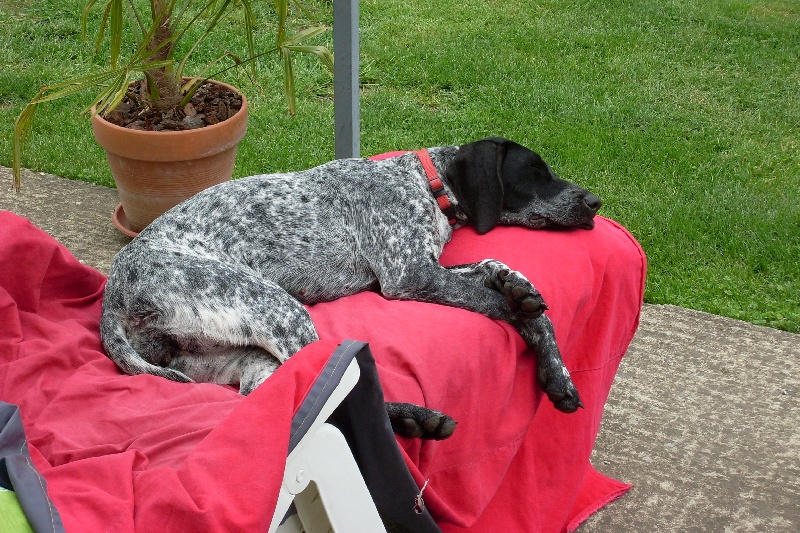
(212, 290)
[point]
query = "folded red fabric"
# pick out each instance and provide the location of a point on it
(123, 453)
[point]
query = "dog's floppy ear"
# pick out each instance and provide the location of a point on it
(474, 175)
(516, 170)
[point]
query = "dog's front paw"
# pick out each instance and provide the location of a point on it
(414, 421)
(521, 296)
(557, 384)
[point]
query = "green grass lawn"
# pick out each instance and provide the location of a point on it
(683, 116)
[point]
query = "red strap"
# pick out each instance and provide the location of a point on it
(436, 184)
(427, 164)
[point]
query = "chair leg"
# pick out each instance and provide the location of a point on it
(332, 493)
(291, 525)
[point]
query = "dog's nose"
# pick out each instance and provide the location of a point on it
(592, 201)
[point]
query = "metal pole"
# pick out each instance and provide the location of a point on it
(346, 110)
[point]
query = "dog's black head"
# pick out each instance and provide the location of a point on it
(497, 181)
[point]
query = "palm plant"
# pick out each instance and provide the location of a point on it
(157, 27)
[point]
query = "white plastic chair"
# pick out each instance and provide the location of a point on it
(322, 478)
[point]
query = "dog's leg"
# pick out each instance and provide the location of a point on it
(247, 366)
(552, 373)
(527, 307)
(521, 297)
(240, 339)
(491, 288)
(212, 323)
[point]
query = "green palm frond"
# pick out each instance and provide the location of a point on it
(249, 27)
(288, 80)
(291, 44)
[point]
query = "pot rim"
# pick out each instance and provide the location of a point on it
(185, 145)
(167, 133)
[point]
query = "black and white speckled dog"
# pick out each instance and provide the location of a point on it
(212, 290)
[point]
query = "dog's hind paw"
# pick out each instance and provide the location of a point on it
(414, 421)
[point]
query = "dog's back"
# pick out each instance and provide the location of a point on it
(315, 233)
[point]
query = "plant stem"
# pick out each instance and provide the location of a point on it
(163, 88)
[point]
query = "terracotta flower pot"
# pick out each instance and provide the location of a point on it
(156, 170)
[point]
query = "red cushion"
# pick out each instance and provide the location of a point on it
(514, 460)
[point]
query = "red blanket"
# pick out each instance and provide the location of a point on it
(124, 453)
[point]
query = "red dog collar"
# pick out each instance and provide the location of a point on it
(437, 187)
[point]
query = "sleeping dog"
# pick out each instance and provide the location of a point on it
(213, 290)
